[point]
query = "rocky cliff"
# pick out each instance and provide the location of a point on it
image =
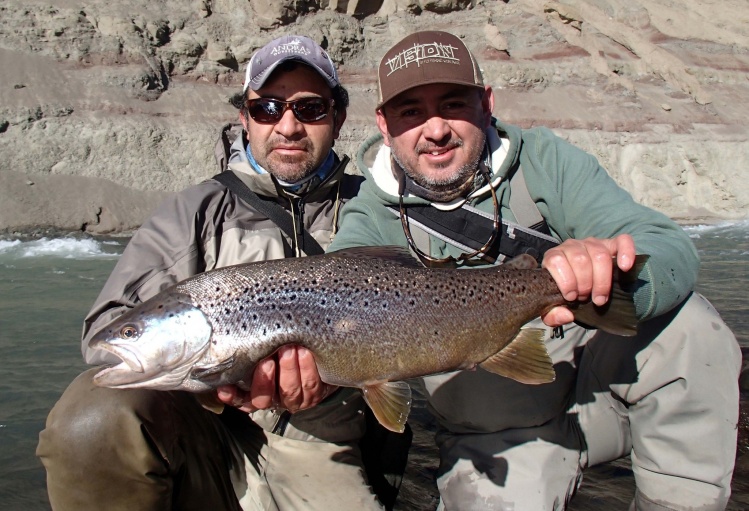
(105, 107)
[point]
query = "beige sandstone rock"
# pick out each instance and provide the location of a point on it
(105, 107)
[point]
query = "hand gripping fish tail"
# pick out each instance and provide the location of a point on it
(372, 317)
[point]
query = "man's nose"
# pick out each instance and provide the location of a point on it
(436, 128)
(289, 125)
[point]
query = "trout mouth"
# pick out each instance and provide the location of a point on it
(129, 371)
(128, 357)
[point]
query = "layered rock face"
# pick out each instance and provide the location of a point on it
(106, 107)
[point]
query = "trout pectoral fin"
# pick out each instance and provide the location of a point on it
(525, 359)
(390, 402)
(211, 402)
(206, 373)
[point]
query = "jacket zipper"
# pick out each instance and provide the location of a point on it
(298, 213)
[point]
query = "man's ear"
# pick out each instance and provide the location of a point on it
(487, 105)
(382, 125)
(243, 120)
(338, 117)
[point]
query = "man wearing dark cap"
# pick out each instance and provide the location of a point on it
(138, 449)
(462, 189)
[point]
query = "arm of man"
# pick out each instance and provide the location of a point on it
(163, 251)
(597, 221)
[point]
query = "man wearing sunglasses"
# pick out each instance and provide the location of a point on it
(442, 159)
(154, 450)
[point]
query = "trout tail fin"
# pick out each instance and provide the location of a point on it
(617, 316)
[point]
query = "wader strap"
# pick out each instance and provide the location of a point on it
(468, 228)
(272, 210)
(522, 206)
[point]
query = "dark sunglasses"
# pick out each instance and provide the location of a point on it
(270, 111)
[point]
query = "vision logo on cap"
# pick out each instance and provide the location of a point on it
(423, 53)
(423, 58)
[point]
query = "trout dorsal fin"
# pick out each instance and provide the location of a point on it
(525, 359)
(390, 402)
(392, 253)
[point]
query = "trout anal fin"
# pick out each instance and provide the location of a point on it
(390, 402)
(525, 359)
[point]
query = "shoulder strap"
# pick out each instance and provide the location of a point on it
(521, 204)
(272, 210)
(468, 228)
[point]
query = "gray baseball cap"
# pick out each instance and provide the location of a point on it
(289, 47)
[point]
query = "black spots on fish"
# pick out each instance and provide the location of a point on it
(289, 317)
(254, 317)
(161, 306)
(412, 302)
(278, 326)
(244, 326)
(307, 322)
(260, 299)
(171, 314)
(227, 311)
(214, 342)
(436, 300)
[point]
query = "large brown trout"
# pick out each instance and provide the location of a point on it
(372, 317)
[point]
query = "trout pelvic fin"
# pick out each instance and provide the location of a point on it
(617, 316)
(525, 359)
(210, 401)
(390, 402)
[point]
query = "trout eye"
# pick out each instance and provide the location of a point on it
(129, 332)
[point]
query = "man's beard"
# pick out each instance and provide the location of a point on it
(290, 169)
(449, 187)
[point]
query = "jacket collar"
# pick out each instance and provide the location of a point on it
(268, 186)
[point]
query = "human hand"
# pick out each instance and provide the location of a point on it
(297, 387)
(583, 270)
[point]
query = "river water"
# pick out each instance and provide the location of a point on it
(47, 285)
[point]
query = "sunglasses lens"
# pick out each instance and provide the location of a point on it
(310, 109)
(270, 111)
(266, 110)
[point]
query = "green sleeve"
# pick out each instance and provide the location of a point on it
(580, 200)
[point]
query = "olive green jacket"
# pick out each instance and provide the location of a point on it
(573, 192)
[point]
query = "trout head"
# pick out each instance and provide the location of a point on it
(159, 342)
